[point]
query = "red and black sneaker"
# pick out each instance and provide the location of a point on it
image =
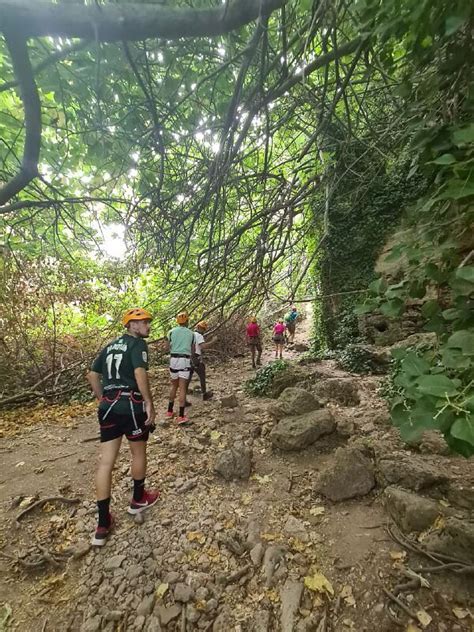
(102, 533)
(183, 421)
(147, 501)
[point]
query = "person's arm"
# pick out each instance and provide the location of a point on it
(95, 381)
(144, 387)
(208, 343)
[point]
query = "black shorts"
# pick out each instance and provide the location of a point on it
(116, 425)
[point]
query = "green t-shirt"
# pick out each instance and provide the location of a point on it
(181, 340)
(117, 363)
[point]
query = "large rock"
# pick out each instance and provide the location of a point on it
(183, 592)
(410, 511)
(261, 621)
(422, 339)
(234, 463)
(461, 495)
(344, 391)
(166, 614)
(456, 539)
(433, 442)
(300, 347)
(230, 401)
(297, 433)
(293, 401)
(291, 376)
(290, 596)
(350, 474)
(411, 471)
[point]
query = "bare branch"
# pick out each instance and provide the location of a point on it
(131, 21)
(32, 106)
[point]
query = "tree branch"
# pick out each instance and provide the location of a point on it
(131, 21)
(18, 50)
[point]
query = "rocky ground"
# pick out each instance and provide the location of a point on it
(303, 512)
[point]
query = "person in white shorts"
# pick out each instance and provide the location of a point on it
(182, 349)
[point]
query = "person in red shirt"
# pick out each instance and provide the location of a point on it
(254, 341)
(279, 337)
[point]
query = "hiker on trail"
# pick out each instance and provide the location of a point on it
(119, 380)
(290, 320)
(198, 365)
(279, 337)
(182, 350)
(254, 341)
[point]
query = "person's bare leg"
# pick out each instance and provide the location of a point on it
(183, 388)
(107, 457)
(252, 350)
(259, 354)
(276, 349)
(138, 466)
(173, 389)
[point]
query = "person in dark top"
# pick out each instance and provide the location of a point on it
(119, 380)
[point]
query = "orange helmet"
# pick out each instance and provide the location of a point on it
(202, 325)
(135, 313)
(182, 318)
(253, 319)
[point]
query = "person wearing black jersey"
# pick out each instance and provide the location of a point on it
(120, 382)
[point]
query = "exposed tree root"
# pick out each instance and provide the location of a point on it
(42, 501)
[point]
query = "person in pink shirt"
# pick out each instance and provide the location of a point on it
(254, 341)
(279, 337)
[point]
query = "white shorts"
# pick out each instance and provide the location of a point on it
(180, 368)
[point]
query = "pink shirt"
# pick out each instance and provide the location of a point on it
(253, 330)
(279, 328)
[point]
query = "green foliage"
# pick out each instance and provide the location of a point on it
(261, 384)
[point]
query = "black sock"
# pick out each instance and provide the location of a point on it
(170, 407)
(104, 513)
(181, 411)
(138, 489)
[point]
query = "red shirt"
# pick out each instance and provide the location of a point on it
(253, 330)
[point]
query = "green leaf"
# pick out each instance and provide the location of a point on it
(451, 314)
(444, 159)
(433, 272)
(457, 190)
(463, 429)
(394, 254)
(458, 445)
(466, 273)
(463, 340)
(414, 365)
(430, 309)
(399, 353)
(412, 423)
(453, 23)
(369, 306)
(464, 135)
(455, 359)
(393, 308)
(462, 287)
(378, 286)
(417, 290)
(436, 385)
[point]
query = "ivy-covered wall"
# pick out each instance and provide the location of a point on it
(361, 217)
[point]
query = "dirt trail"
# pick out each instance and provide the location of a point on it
(188, 566)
